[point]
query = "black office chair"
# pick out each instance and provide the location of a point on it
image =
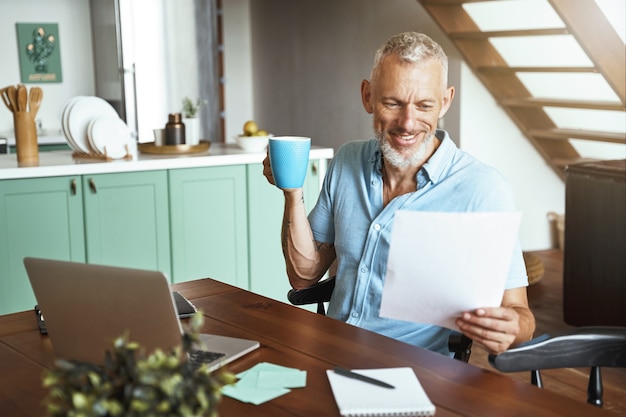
(320, 293)
(591, 346)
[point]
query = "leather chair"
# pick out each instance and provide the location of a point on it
(320, 293)
(591, 346)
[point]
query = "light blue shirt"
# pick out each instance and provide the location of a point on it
(350, 214)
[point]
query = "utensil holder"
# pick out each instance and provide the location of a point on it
(26, 139)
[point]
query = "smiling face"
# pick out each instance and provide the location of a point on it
(406, 100)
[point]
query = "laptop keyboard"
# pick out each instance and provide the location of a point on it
(199, 357)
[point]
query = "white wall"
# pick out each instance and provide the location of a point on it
(72, 17)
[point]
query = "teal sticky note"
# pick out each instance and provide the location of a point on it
(252, 394)
(286, 379)
(264, 382)
(249, 379)
(266, 366)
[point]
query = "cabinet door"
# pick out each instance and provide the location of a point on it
(266, 205)
(40, 217)
(209, 224)
(127, 220)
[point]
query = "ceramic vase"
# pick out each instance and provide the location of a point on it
(192, 130)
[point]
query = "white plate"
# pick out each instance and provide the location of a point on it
(109, 135)
(64, 119)
(92, 145)
(81, 113)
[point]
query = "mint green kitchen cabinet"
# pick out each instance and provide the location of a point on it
(218, 221)
(127, 220)
(209, 224)
(265, 213)
(39, 217)
(119, 219)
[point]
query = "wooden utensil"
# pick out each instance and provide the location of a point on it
(5, 98)
(22, 98)
(12, 94)
(34, 100)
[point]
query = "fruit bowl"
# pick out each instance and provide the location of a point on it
(253, 143)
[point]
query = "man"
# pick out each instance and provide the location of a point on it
(411, 166)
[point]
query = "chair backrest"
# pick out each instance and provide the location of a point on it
(592, 346)
(320, 293)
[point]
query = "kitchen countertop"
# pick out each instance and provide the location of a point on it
(59, 163)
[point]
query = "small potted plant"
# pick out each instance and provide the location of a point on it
(191, 108)
(131, 384)
(190, 119)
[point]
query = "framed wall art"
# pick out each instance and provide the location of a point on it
(39, 52)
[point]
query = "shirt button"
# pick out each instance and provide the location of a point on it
(364, 269)
(355, 315)
(377, 227)
(375, 183)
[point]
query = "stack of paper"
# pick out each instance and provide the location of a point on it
(358, 398)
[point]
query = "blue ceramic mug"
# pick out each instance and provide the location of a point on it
(289, 158)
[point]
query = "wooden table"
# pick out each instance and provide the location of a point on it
(297, 338)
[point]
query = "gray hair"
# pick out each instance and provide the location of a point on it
(411, 47)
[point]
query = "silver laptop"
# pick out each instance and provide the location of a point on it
(85, 307)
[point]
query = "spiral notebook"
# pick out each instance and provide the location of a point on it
(357, 398)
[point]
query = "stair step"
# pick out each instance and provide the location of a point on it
(566, 134)
(506, 70)
(553, 102)
(477, 35)
(452, 2)
(599, 41)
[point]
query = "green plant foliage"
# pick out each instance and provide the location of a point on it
(190, 108)
(131, 384)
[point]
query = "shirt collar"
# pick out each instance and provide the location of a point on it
(438, 162)
(377, 159)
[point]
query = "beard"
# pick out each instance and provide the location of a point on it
(400, 161)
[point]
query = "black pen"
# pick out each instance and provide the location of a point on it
(360, 377)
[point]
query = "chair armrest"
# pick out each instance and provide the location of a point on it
(591, 346)
(318, 293)
(460, 345)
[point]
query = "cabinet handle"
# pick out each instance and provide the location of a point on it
(314, 168)
(92, 186)
(73, 186)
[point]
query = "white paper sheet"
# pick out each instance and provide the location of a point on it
(441, 264)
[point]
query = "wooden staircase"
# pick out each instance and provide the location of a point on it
(583, 20)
